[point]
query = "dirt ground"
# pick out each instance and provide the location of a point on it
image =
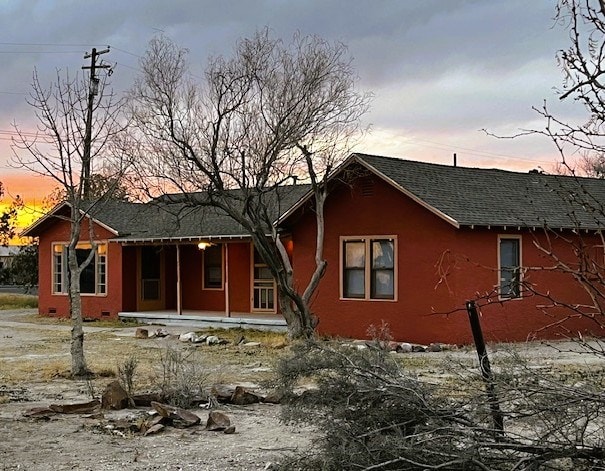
(34, 357)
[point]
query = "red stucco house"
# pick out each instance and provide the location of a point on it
(407, 244)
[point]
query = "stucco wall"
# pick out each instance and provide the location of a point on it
(439, 267)
(93, 306)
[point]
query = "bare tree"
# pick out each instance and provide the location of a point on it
(372, 413)
(8, 218)
(256, 122)
(63, 151)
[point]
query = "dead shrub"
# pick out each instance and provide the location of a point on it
(370, 414)
(126, 373)
(181, 377)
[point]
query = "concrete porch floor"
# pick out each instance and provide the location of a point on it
(201, 319)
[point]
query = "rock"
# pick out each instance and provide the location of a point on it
(212, 340)
(251, 344)
(176, 413)
(161, 333)
(163, 409)
(241, 397)
(145, 400)
(274, 397)
(222, 392)
(418, 348)
(188, 418)
(404, 347)
(229, 430)
(187, 337)
(155, 429)
(435, 347)
(199, 338)
(39, 412)
(158, 419)
(217, 422)
(114, 397)
(392, 346)
(141, 333)
(79, 408)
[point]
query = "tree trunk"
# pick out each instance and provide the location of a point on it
(78, 362)
(301, 321)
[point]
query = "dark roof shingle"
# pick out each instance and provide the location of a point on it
(492, 197)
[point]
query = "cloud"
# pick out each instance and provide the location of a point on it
(440, 69)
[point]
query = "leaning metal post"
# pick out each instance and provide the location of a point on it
(484, 365)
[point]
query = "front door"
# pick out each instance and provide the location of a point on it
(151, 279)
(263, 286)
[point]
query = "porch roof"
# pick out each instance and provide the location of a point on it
(172, 218)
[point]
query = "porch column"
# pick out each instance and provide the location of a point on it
(227, 305)
(179, 295)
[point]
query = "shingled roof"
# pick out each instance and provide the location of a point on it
(462, 196)
(490, 197)
(171, 218)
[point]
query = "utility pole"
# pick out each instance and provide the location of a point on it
(93, 90)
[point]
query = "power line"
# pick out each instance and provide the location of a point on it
(47, 44)
(475, 152)
(40, 52)
(126, 52)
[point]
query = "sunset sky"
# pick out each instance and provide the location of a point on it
(440, 70)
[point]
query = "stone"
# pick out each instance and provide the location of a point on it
(274, 397)
(418, 348)
(114, 397)
(241, 397)
(141, 333)
(176, 413)
(163, 409)
(251, 344)
(154, 429)
(78, 408)
(229, 430)
(187, 337)
(186, 417)
(435, 347)
(199, 338)
(145, 400)
(392, 346)
(222, 392)
(217, 422)
(404, 347)
(212, 340)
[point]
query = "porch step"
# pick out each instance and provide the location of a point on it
(202, 321)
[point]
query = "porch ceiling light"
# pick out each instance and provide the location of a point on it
(203, 245)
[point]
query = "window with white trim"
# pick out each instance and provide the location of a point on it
(368, 268)
(509, 267)
(93, 279)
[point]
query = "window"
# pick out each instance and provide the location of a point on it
(93, 279)
(510, 267)
(263, 286)
(213, 267)
(368, 268)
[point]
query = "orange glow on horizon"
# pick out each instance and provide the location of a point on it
(32, 189)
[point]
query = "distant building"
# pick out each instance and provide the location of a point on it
(7, 253)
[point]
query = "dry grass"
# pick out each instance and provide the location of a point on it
(17, 301)
(33, 359)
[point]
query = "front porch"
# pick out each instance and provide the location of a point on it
(204, 319)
